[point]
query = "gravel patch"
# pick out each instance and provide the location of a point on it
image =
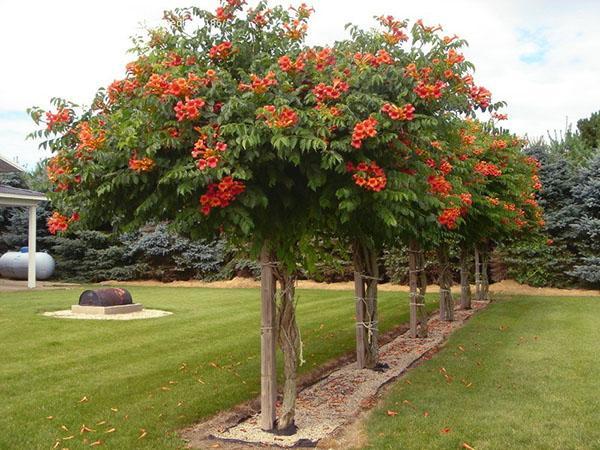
(338, 399)
(144, 314)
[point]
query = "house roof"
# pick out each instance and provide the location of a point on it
(10, 196)
(7, 165)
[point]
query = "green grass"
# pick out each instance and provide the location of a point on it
(533, 366)
(48, 365)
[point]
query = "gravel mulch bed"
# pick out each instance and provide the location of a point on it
(144, 314)
(338, 399)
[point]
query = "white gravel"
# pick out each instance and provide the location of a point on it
(144, 314)
(338, 399)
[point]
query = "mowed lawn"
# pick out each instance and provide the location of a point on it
(523, 374)
(126, 379)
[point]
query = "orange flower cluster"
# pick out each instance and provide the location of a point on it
(225, 13)
(63, 115)
(88, 140)
(259, 85)
(533, 162)
(190, 109)
(59, 223)
(324, 92)
(58, 171)
(429, 91)
(363, 130)
(394, 26)
(439, 185)
(368, 176)
(322, 58)
(157, 84)
(260, 19)
(121, 86)
(175, 60)
(466, 198)
(221, 51)
(206, 156)
(498, 144)
(537, 184)
(285, 118)
(406, 112)
(295, 30)
(332, 111)
(144, 164)
(287, 65)
(369, 59)
(445, 167)
(454, 57)
(487, 169)
(221, 194)
(449, 216)
(481, 96)
(428, 29)
(303, 11)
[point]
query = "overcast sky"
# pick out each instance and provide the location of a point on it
(542, 57)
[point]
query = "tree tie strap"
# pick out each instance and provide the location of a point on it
(367, 277)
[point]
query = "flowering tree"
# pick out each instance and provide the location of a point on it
(214, 130)
(227, 124)
(499, 202)
(404, 92)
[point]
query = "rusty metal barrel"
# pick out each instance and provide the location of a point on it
(105, 297)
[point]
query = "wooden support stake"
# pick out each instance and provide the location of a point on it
(465, 279)
(268, 368)
(413, 285)
(359, 293)
(477, 275)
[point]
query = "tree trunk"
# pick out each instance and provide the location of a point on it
(485, 280)
(417, 280)
(477, 274)
(445, 283)
(268, 368)
(366, 277)
(288, 337)
(465, 279)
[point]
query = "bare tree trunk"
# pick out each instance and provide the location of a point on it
(366, 277)
(268, 368)
(465, 281)
(445, 283)
(477, 274)
(417, 280)
(288, 337)
(485, 280)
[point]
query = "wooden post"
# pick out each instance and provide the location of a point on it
(359, 293)
(485, 281)
(372, 282)
(477, 275)
(268, 368)
(422, 285)
(31, 275)
(445, 282)
(417, 281)
(465, 282)
(412, 284)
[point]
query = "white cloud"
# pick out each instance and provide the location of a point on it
(68, 48)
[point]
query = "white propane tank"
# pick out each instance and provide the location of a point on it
(15, 265)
